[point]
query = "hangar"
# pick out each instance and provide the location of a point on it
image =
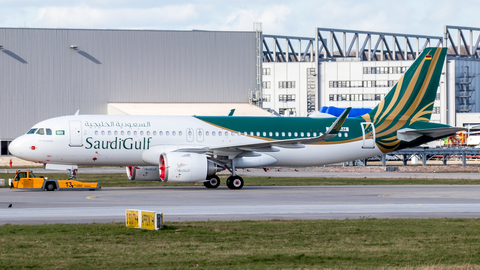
(52, 72)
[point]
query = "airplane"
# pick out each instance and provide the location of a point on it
(194, 148)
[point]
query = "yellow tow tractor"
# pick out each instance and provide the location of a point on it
(27, 180)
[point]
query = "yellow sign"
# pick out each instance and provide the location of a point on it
(148, 220)
(144, 219)
(132, 218)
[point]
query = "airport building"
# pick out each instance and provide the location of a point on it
(52, 72)
(348, 68)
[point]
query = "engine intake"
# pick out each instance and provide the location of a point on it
(185, 167)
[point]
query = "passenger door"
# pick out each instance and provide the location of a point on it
(76, 133)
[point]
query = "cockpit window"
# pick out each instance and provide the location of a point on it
(32, 131)
(49, 131)
(40, 131)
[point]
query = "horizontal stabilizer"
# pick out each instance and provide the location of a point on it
(408, 134)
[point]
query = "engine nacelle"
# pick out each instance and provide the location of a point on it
(185, 167)
(143, 173)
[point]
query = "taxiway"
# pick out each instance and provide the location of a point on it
(250, 203)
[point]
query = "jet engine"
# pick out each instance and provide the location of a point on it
(143, 173)
(186, 167)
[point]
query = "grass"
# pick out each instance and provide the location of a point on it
(120, 180)
(277, 244)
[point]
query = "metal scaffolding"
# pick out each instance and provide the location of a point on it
(288, 49)
(462, 47)
(386, 46)
(330, 44)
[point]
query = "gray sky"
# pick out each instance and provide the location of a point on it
(292, 18)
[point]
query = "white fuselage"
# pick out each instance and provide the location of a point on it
(131, 140)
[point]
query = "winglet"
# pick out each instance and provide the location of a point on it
(231, 112)
(335, 127)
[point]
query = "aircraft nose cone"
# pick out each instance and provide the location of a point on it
(17, 147)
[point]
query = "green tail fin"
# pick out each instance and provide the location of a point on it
(410, 100)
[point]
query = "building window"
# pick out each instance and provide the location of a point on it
(355, 97)
(266, 71)
(355, 84)
(286, 98)
(436, 110)
(266, 85)
(266, 98)
(286, 84)
(286, 111)
(384, 70)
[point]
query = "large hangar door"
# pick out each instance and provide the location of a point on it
(76, 133)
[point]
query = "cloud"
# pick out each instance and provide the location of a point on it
(273, 19)
(279, 17)
(84, 16)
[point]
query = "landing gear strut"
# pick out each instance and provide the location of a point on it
(234, 181)
(213, 182)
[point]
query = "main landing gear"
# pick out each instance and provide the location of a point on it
(233, 182)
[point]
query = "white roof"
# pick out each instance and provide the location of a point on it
(213, 109)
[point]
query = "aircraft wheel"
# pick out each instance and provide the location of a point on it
(213, 182)
(235, 182)
(50, 186)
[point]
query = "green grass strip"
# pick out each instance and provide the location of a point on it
(277, 244)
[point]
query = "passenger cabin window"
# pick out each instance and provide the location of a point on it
(32, 131)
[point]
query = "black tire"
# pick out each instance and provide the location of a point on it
(50, 186)
(235, 182)
(213, 182)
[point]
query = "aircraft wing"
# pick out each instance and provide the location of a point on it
(269, 146)
(408, 134)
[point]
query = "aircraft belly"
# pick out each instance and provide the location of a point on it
(317, 155)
